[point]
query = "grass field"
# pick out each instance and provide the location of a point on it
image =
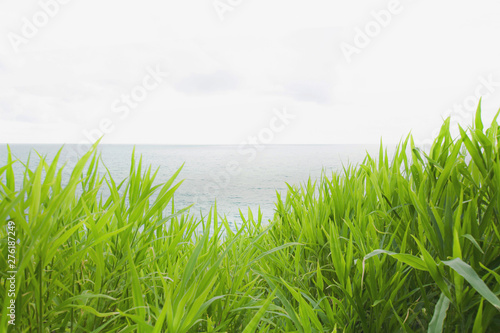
(403, 244)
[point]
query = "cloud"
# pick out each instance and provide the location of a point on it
(310, 91)
(218, 81)
(226, 76)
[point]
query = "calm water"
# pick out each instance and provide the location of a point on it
(237, 178)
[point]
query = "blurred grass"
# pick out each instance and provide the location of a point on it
(403, 244)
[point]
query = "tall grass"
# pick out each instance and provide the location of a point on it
(409, 243)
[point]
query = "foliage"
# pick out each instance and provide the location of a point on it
(409, 243)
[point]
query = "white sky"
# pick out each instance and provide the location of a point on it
(227, 76)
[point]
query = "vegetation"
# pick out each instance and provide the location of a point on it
(403, 244)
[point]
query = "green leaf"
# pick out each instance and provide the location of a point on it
(433, 269)
(437, 322)
(473, 241)
(478, 121)
(474, 280)
(408, 259)
(478, 322)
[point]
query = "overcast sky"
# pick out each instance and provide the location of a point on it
(341, 71)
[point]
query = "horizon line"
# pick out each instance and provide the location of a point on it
(187, 144)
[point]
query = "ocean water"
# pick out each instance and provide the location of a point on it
(237, 177)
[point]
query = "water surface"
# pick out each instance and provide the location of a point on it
(238, 177)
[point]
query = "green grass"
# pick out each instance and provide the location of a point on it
(409, 243)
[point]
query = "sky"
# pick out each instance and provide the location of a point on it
(233, 71)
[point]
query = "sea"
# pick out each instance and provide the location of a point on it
(235, 177)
